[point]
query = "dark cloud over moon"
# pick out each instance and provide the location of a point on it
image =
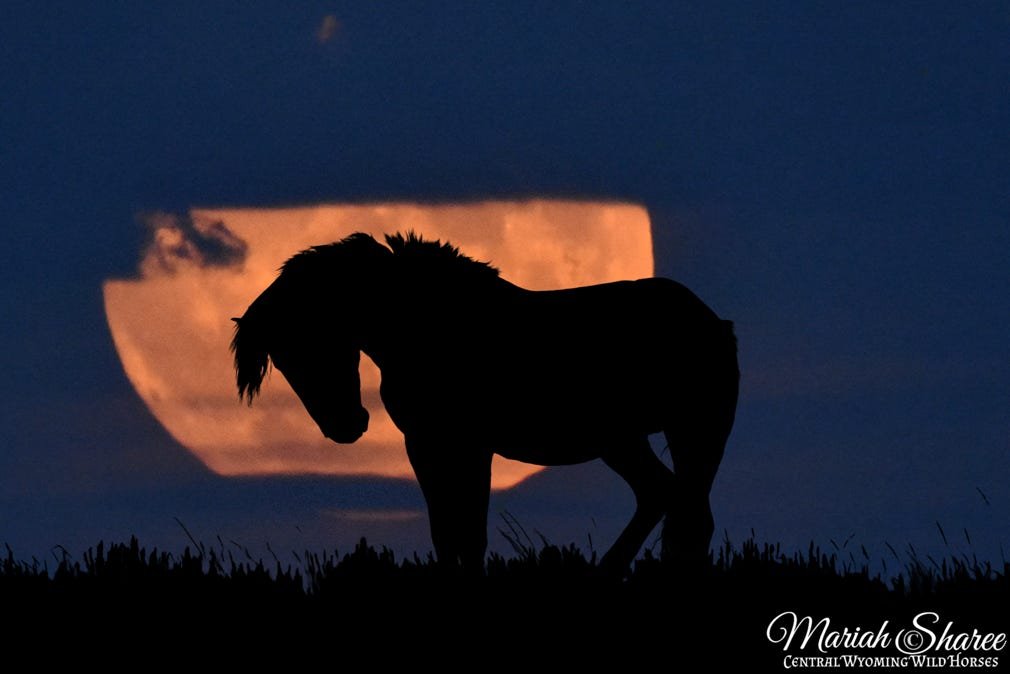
(181, 239)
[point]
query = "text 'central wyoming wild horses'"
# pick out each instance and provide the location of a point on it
(473, 365)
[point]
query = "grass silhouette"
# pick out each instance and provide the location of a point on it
(541, 592)
(231, 567)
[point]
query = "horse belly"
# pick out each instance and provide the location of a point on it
(563, 453)
(562, 434)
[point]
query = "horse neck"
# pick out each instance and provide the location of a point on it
(435, 309)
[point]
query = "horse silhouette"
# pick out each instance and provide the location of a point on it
(473, 365)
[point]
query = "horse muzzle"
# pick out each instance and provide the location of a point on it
(347, 432)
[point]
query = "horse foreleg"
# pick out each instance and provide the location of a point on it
(456, 484)
(650, 480)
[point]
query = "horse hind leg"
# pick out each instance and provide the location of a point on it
(696, 445)
(650, 480)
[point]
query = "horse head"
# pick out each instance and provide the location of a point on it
(294, 325)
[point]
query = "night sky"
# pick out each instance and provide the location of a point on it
(834, 179)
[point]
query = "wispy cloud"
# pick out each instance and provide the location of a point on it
(837, 375)
(181, 240)
(329, 28)
(350, 515)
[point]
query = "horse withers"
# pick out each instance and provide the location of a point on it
(473, 366)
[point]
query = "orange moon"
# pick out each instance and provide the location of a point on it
(171, 324)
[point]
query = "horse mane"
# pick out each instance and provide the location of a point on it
(351, 256)
(252, 360)
(433, 257)
(350, 252)
(438, 257)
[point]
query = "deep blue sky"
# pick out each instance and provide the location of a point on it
(833, 178)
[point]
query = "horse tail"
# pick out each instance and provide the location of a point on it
(697, 436)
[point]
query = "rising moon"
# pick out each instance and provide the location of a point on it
(171, 324)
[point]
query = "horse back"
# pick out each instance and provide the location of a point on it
(546, 363)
